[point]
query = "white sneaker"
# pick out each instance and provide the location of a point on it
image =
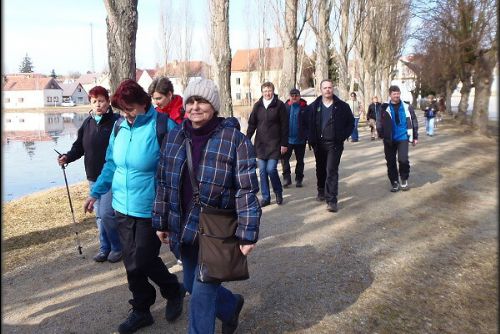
(404, 185)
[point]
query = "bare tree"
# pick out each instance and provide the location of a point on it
(121, 23)
(221, 53)
(185, 39)
(166, 31)
(320, 25)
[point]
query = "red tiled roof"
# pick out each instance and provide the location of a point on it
(22, 83)
(194, 69)
(249, 59)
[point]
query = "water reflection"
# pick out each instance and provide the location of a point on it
(29, 160)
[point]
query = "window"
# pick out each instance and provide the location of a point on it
(238, 81)
(49, 98)
(79, 90)
(238, 96)
(7, 100)
(21, 120)
(56, 99)
(9, 120)
(20, 100)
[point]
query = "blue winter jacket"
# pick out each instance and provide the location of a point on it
(227, 179)
(130, 168)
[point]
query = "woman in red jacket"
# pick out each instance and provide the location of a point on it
(162, 92)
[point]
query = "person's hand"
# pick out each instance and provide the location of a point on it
(415, 141)
(246, 249)
(62, 160)
(163, 236)
(284, 149)
(89, 204)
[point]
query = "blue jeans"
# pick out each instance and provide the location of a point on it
(355, 135)
(208, 300)
(429, 126)
(269, 168)
(106, 223)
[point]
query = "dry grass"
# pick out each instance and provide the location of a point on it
(36, 225)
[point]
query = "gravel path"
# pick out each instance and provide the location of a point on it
(422, 261)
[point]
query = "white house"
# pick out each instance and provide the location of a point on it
(31, 92)
(405, 77)
(90, 80)
(75, 92)
(144, 77)
(194, 69)
(246, 78)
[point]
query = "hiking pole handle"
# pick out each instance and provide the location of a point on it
(63, 166)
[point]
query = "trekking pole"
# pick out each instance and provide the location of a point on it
(77, 238)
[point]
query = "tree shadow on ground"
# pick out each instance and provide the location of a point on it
(307, 285)
(44, 236)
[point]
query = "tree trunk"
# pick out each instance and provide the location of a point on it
(483, 79)
(449, 92)
(343, 55)
(121, 25)
(322, 31)
(289, 69)
(464, 100)
(221, 53)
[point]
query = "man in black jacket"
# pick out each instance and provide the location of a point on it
(330, 123)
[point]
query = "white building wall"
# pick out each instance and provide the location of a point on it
(145, 80)
(493, 103)
(19, 99)
(250, 82)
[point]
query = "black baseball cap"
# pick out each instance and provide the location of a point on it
(294, 91)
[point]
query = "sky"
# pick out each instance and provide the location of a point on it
(56, 34)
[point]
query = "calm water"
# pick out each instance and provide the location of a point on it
(29, 161)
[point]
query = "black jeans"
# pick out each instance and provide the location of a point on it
(300, 151)
(401, 149)
(140, 249)
(327, 169)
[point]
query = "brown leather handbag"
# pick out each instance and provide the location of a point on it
(219, 256)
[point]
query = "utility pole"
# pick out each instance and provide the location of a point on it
(92, 49)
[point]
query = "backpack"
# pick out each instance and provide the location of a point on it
(161, 119)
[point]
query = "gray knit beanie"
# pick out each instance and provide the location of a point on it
(204, 88)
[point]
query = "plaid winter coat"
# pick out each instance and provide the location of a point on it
(227, 179)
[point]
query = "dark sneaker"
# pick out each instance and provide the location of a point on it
(101, 256)
(287, 180)
(404, 185)
(114, 256)
(264, 203)
(299, 184)
(230, 327)
(320, 197)
(395, 186)
(174, 305)
(279, 199)
(135, 320)
(332, 207)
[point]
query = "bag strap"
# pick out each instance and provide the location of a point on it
(194, 184)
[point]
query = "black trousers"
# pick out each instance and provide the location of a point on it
(399, 148)
(141, 249)
(327, 169)
(300, 151)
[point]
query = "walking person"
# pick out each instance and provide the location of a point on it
(372, 116)
(357, 110)
(162, 93)
(398, 126)
(91, 142)
(331, 122)
(130, 169)
(296, 108)
(269, 121)
(430, 113)
(224, 167)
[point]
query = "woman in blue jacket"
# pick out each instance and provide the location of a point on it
(130, 170)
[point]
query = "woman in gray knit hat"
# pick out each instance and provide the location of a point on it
(224, 167)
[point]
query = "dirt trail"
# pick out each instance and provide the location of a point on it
(422, 261)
